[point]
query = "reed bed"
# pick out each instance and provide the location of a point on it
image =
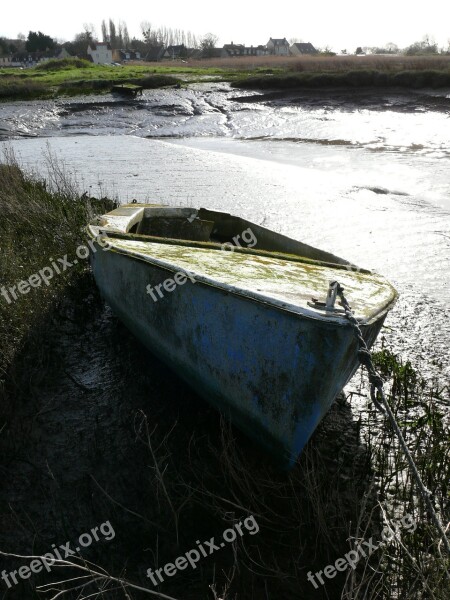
(313, 64)
(41, 221)
(353, 79)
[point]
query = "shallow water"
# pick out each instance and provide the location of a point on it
(363, 176)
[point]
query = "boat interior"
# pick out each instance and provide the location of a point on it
(215, 228)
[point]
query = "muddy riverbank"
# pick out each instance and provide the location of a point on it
(102, 431)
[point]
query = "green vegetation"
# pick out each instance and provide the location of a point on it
(73, 76)
(38, 41)
(40, 222)
(56, 64)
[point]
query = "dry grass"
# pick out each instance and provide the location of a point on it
(199, 481)
(41, 222)
(313, 63)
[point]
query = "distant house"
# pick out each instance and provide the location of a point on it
(198, 54)
(256, 50)
(155, 54)
(278, 47)
(232, 49)
(61, 53)
(175, 52)
(125, 55)
(100, 53)
(30, 59)
(6, 61)
(300, 48)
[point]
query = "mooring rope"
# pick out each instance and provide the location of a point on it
(376, 385)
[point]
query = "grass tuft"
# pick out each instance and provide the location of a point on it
(58, 64)
(41, 222)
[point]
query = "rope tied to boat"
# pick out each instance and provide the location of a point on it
(377, 386)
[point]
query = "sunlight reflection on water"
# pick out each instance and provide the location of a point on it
(369, 184)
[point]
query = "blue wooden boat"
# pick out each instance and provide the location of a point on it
(244, 315)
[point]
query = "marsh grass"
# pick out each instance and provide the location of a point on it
(41, 221)
(361, 78)
(202, 476)
(317, 64)
(416, 567)
(64, 64)
(67, 78)
(71, 76)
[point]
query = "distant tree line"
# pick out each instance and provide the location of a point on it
(38, 41)
(7, 47)
(424, 47)
(166, 36)
(117, 35)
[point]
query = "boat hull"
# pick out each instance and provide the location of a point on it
(273, 372)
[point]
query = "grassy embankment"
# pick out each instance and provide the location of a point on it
(40, 221)
(200, 481)
(74, 76)
(69, 77)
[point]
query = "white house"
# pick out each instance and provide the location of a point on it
(278, 46)
(100, 53)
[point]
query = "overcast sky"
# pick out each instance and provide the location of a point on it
(345, 24)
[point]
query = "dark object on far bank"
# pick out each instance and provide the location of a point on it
(127, 89)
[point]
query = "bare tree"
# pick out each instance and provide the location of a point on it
(392, 48)
(89, 31)
(166, 36)
(150, 34)
(146, 29)
(208, 43)
(112, 34)
(126, 36)
(105, 36)
(192, 41)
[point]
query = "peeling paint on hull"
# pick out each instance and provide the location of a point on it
(273, 372)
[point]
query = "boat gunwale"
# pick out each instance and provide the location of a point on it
(240, 249)
(338, 319)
